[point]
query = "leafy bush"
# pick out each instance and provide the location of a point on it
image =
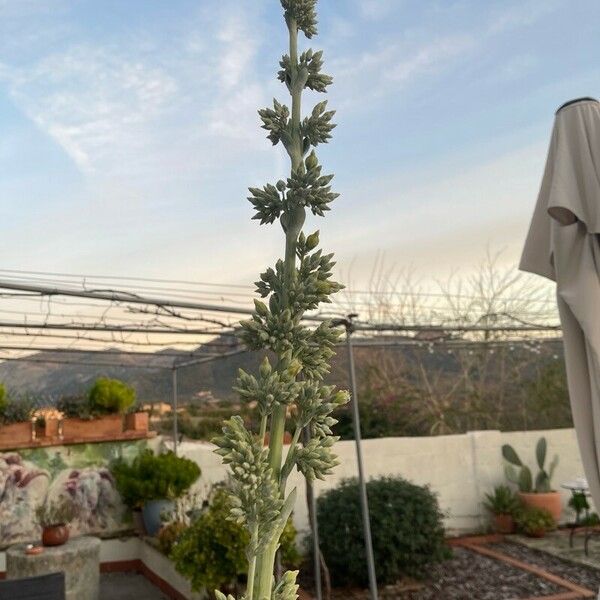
(110, 396)
(3, 399)
(154, 477)
(74, 407)
(211, 553)
(16, 410)
(60, 512)
(406, 525)
(502, 501)
(169, 535)
(534, 521)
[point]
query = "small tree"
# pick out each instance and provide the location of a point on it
(292, 388)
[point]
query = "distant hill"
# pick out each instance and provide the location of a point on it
(54, 380)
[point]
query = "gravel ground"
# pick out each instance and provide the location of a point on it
(579, 574)
(467, 576)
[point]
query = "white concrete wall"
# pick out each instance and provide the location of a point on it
(459, 468)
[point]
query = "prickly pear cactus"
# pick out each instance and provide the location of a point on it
(289, 393)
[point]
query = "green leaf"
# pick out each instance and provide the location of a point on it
(509, 454)
(540, 452)
(525, 480)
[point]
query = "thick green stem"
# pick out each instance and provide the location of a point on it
(263, 428)
(251, 574)
(289, 461)
(265, 563)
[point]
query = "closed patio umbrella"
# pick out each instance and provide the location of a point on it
(563, 245)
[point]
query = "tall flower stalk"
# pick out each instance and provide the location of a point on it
(289, 393)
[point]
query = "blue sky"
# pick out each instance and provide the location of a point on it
(129, 131)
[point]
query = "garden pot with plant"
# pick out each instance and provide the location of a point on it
(54, 519)
(47, 423)
(16, 426)
(100, 414)
(534, 521)
(536, 493)
(503, 504)
(152, 482)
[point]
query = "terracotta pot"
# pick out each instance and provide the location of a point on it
(101, 427)
(55, 535)
(15, 433)
(550, 501)
(504, 524)
(137, 421)
(538, 533)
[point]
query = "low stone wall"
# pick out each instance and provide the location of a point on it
(459, 468)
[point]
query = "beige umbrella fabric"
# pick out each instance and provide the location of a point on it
(563, 245)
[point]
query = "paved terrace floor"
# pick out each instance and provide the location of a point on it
(128, 586)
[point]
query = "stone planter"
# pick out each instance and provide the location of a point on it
(107, 426)
(504, 524)
(550, 501)
(55, 535)
(137, 421)
(15, 434)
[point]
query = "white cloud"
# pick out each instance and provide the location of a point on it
(428, 57)
(115, 108)
(376, 9)
(237, 50)
(92, 101)
(522, 14)
(401, 60)
(392, 66)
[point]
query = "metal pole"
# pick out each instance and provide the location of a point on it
(361, 471)
(175, 424)
(314, 525)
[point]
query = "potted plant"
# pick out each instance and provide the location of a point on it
(16, 427)
(503, 504)
(46, 423)
(534, 521)
(54, 519)
(100, 414)
(535, 493)
(152, 482)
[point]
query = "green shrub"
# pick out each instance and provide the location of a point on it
(211, 553)
(169, 535)
(16, 410)
(74, 407)
(502, 501)
(154, 477)
(406, 525)
(534, 521)
(3, 399)
(110, 396)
